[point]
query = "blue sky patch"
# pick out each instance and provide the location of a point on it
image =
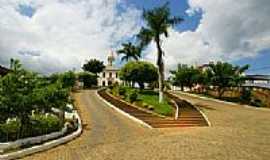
(26, 10)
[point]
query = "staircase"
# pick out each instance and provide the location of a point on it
(189, 116)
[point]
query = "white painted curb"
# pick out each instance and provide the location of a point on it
(123, 113)
(44, 146)
(203, 114)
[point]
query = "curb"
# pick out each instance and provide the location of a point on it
(123, 113)
(203, 114)
(45, 146)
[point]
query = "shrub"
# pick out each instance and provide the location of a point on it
(42, 124)
(133, 95)
(245, 95)
(115, 89)
(145, 105)
(122, 91)
(151, 107)
(9, 131)
(111, 87)
(257, 103)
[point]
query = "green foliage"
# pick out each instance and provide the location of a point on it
(257, 103)
(245, 95)
(17, 94)
(186, 76)
(223, 75)
(9, 131)
(68, 79)
(23, 93)
(39, 125)
(130, 51)
(122, 91)
(114, 89)
(133, 95)
(158, 21)
(42, 124)
(88, 79)
(94, 66)
(140, 72)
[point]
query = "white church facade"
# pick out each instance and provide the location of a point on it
(109, 75)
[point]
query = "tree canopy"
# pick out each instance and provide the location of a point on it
(223, 74)
(185, 76)
(130, 51)
(94, 66)
(23, 93)
(220, 75)
(140, 72)
(158, 21)
(89, 79)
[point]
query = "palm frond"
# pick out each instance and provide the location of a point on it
(145, 36)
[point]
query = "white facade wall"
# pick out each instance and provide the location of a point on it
(108, 77)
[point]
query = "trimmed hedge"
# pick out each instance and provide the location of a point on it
(39, 125)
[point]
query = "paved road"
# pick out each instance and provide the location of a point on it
(102, 125)
(238, 133)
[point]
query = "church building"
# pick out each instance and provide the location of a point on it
(109, 75)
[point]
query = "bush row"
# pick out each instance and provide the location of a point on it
(39, 125)
(124, 92)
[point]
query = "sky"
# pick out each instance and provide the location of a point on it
(58, 35)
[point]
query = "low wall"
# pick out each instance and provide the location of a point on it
(31, 141)
(259, 93)
(38, 140)
(263, 95)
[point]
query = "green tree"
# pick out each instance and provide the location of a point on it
(140, 72)
(57, 97)
(158, 21)
(88, 79)
(17, 95)
(23, 93)
(130, 51)
(223, 75)
(186, 76)
(94, 66)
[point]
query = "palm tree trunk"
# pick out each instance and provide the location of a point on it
(160, 64)
(160, 82)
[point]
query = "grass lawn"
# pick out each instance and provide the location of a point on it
(151, 98)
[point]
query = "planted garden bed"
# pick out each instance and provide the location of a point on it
(146, 99)
(189, 116)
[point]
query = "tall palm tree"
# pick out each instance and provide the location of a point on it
(158, 21)
(130, 51)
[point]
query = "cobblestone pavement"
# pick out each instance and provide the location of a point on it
(237, 132)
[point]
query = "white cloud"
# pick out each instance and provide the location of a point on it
(229, 30)
(64, 33)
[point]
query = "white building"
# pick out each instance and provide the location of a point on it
(109, 75)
